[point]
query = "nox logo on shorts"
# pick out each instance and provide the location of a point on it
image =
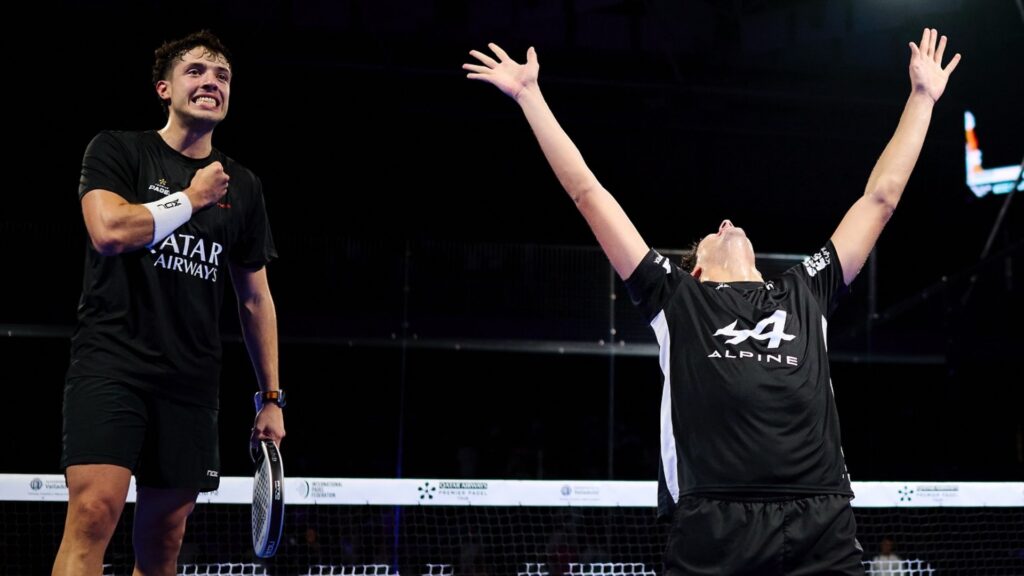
(777, 321)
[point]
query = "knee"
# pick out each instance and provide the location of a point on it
(95, 518)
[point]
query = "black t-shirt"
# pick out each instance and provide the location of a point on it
(150, 317)
(747, 403)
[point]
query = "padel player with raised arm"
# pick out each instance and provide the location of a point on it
(752, 472)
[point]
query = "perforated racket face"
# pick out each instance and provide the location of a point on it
(267, 500)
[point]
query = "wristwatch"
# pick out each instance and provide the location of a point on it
(270, 396)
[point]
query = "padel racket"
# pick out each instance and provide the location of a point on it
(267, 497)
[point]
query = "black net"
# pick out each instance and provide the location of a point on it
(502, 540)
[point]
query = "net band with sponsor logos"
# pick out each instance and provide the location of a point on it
(438, 492)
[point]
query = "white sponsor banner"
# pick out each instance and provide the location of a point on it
(52, 487)
(40, 487)
(938, 494)
(439, 492)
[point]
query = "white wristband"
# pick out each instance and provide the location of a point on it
(168, 214)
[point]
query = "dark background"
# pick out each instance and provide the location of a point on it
(443, 309)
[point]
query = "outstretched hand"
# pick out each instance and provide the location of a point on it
(926, 72)
(508, 75)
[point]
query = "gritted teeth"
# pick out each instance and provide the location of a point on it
(209, 100)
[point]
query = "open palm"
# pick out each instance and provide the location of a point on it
(926, 72)
(508, 75)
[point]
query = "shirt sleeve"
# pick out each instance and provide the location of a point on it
(255, 246)
(653, 282)
(823, 273)
(108, 165)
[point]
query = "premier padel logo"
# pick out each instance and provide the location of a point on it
(906, 494)
(161, 187)
(777, 321)
(427, 491)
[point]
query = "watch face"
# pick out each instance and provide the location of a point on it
(275, 396)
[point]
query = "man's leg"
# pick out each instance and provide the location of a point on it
(96, 495)
(160, 516)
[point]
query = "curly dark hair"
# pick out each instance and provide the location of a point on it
(173, 50)
(688, 260)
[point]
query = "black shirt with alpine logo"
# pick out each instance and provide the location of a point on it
(747, 401)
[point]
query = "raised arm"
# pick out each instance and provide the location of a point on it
(614, 231)
(859, 230)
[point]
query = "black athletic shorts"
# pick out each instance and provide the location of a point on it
(165, 443)
(791, 537)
